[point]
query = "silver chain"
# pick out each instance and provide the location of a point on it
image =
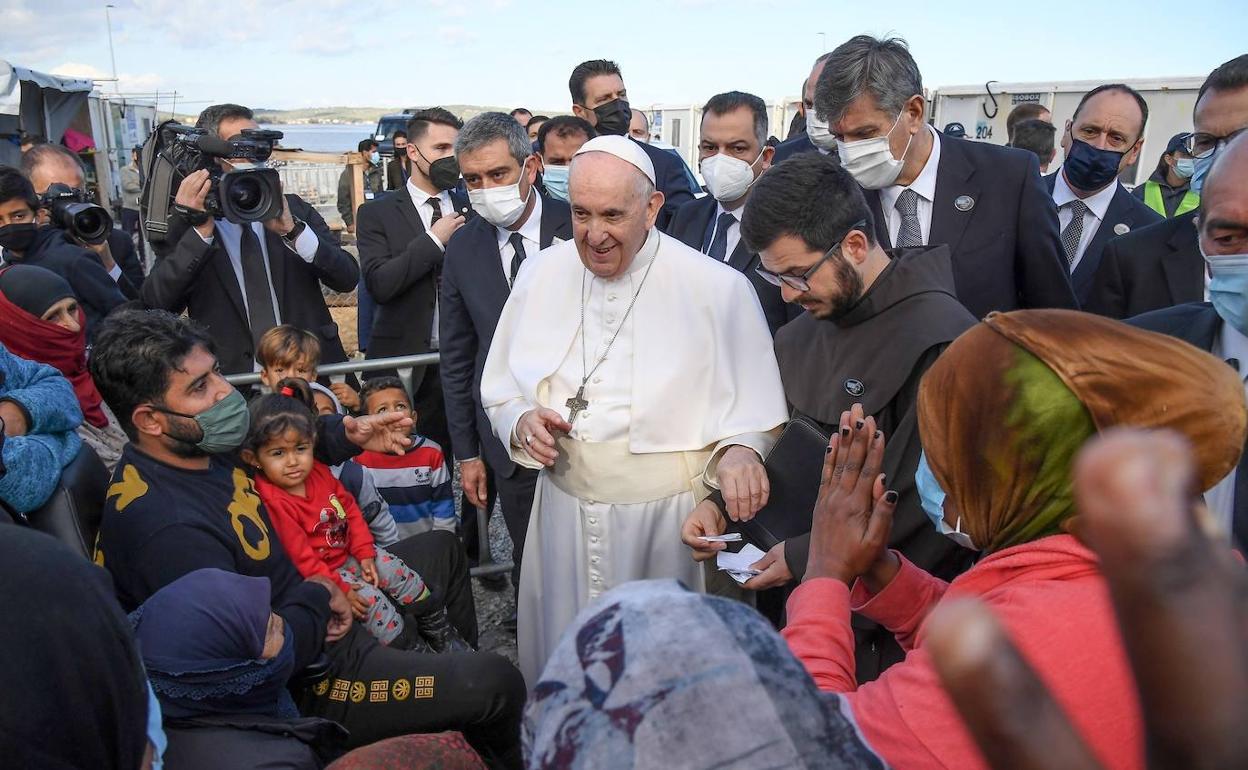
(636, 294)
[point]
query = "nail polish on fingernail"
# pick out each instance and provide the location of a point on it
(879, 435)
(844, 431)
(890, 496)
(858, 425)
(828, 451)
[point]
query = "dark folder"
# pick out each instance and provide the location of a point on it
(794, 468)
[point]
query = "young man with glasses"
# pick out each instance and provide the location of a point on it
(875, 321)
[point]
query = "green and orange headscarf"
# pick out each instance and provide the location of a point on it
(1003, 412)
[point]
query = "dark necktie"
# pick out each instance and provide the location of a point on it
(719, 244)
(517, 244)
(1074, 230)
(260, 314)
(909, 234)
(436, 203)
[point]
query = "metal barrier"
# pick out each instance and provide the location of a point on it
(404, 366)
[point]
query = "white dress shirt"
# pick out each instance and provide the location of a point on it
(530, 235)
(1097, 205)
(924, 184)
(1231, 343)
(734, 229)
(420, 199)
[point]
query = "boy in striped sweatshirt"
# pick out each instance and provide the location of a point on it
(416, 484)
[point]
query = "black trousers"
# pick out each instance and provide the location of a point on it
(377, 692)
(130, 226)
(516, 495)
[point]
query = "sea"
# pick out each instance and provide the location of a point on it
(339, 137)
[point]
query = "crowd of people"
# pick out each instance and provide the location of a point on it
(1016, 549)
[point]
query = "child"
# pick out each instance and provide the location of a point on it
(323, 530)
(288, 351)
(417, 483)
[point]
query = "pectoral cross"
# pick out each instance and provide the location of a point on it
(576, 404)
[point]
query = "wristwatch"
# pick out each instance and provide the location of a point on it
(295, 231)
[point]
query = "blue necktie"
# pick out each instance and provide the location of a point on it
(719, 244)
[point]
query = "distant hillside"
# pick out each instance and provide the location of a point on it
(332, 115)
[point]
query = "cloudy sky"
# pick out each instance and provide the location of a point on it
(283, 53)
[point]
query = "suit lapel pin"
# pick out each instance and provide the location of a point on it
(855, 388)
(964, 203)
(1121, 229)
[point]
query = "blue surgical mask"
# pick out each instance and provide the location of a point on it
(555, 179)
(374, 157)
(1228, 287)
(932, 498)
(1089, 168)
(1184, 167)
(1201, 170)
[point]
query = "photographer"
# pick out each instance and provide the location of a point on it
(25, 242)
(48, 164)
(241, 280)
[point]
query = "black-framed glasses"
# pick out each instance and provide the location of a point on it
(1201, 145)
(802, 282)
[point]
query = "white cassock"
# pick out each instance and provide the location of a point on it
(692, 372)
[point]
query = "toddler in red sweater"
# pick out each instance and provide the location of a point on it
(324, 531)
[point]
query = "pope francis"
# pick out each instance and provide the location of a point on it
(636, 372)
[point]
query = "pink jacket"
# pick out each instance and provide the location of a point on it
(1052, 601)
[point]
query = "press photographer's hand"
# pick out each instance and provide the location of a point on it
(193, 194)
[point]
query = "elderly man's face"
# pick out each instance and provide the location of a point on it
(1224, 203)
(611, 214)
(52, 171)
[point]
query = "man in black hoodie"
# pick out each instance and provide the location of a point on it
(875, 321)
(24, 241)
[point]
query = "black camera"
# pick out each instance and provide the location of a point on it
(249, 191)
(71, 210)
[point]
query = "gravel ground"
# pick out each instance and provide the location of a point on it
(493, 607)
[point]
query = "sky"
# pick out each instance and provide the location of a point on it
(311, 53)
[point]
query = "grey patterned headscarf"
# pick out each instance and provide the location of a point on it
(655, 676)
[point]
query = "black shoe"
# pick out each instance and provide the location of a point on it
(509, 623)
(437, 630)
(410, 638)
(494, 582)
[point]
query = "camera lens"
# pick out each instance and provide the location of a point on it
(250, 195)
(88, 222)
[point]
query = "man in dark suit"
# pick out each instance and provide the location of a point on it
(600, 98)
(242, 280)
(816, 135)
(985, 202)
(398, 169)
(402, 236)
(1160, 265)
(1220, 326)
(49, 164)
(1102, 139)
(733, 152)
(482, 262)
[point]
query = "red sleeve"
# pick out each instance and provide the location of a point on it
(819, 634)
(284, 514)
(904, 603)
(360, 536)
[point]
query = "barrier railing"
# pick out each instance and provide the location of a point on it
(403, 364)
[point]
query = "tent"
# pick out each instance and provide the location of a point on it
(36, 103)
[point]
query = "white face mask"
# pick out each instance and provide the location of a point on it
(871, 161)
(818, 132)
(500, 206)
(728, 178)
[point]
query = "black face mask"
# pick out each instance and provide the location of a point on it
(443, 172)
(17, 237)
(613, 117)
(1090, 168)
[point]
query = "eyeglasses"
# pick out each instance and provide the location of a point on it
(1202, 145)
(802, 282)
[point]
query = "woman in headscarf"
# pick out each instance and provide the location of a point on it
(219, 660)
(1002, 414)
(654, 675)
(40, 320)
(74, 696)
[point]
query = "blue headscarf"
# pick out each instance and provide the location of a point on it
(201, 638)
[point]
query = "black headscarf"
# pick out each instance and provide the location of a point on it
(74, 694)
(33, 289)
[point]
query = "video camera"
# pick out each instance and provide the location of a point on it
(71, 210)
(249, 191)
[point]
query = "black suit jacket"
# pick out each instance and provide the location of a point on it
(401, 264)
(1007, 253)
(474, 291)
(790, 147)
(1155, 267)
(690, 226)
(127, 258)
(670, 178)
(1125, 210)
(197, 277)
(1197, 323)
